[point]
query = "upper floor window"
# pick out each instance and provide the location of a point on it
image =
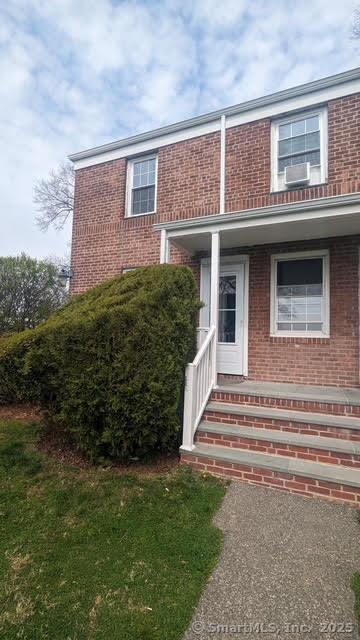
(299, 140)
(141, 193)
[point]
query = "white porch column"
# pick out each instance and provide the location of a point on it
(164, 247)
(214, 292)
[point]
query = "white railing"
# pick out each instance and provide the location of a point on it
(201, 335)
(200, 379)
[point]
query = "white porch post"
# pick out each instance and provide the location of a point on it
(214, 293)
(164, 247)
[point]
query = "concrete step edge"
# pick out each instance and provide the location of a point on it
(282, 437)
(334, 473)
(301, 396)
(329, 420)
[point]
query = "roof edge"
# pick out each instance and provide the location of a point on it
(302, 205)
(273, 98)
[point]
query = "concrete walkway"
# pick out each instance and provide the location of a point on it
(287, 560)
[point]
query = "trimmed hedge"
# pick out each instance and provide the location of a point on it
(110, 365)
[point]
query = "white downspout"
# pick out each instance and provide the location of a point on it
(222, 162)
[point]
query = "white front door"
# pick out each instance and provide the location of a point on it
(230, 349)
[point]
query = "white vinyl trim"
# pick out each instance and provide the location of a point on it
(294, 211)
(129, 184)
(301, 97)
(222, 164)
(164, 247)
(205, 289)
(322, 112)
(300, 255)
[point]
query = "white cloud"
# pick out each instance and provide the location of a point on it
(77, 74)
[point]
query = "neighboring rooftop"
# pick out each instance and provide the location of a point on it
(324, 89)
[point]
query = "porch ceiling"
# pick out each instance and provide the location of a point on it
(271, 225)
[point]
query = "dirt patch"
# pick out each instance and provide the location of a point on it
(20, 413)
(60, 449)
(158, 465)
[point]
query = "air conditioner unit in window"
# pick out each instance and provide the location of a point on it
(297, 174)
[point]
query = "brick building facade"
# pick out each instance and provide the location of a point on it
(106, 239)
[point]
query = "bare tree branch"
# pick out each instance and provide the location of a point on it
(54, 197)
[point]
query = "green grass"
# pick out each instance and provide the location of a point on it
(91, 554)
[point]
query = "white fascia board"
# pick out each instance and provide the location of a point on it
(302, 210)
(304, 216)
(296, 103)
(280, 103)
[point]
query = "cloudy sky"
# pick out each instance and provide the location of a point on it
(75, 74)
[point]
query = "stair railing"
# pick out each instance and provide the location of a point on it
(199, 382)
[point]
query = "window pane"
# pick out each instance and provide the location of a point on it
(284, 147)
(300, 272)
(298, 310)
(284, 309)
(298, 326)
(284, 162)
(313, 157)
(137, 180)
(298, 159)
(227, 326)
(298, 144)
(312, 124)
(313, 140)
(143, 200)
(314, 326)
(299, 294)
(284, 131)
(227, 292)
(143, 179)
(284, 326)
(144, 173)
(298, 128)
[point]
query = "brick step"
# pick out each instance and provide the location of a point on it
(305, 447)
(330, 481)
(286, 420)
(333, 400)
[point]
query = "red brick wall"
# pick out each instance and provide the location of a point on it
(105, 242)
(333, 361)
(189, 178)
(248, 171)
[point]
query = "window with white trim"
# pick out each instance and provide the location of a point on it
(298, 139)
(300, 294)
(141, 192)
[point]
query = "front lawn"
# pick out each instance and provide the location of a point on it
(94, 554)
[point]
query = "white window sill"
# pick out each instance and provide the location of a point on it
(318, 336)
(140, 215)
(300, 187)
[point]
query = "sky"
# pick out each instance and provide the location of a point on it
(78, 74)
